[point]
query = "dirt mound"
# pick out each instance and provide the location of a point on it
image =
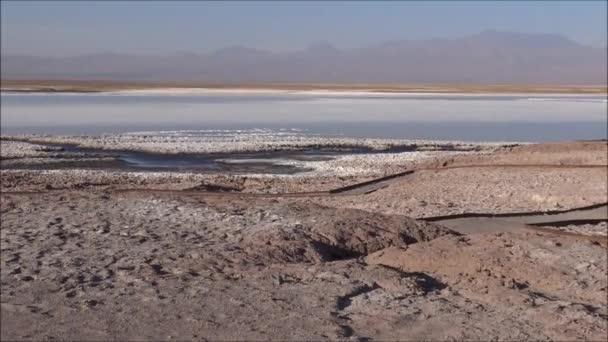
(556, 267)
(554, 287)
(337, 235)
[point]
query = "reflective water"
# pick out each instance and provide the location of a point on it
(245, 162)
(445, 117)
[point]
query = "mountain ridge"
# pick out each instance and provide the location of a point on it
(486, 57)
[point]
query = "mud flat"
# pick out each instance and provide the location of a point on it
(82, 258)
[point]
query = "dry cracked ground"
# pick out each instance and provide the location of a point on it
(86, 262)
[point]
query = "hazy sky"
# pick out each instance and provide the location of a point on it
(55, 28)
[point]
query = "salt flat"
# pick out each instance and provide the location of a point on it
(117, 254)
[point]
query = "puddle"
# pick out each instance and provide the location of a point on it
(71, 156)
(249, 162)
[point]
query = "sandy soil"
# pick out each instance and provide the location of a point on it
(600, 229)
(485, 190)
(81, 260)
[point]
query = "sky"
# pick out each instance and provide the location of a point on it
(68, 28)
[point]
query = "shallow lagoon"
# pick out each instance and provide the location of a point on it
(517, 117)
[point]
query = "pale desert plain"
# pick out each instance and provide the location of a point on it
(386, 240)
(304, 171)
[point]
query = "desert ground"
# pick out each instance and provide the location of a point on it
(439, 241)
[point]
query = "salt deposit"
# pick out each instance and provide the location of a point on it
(248, 141)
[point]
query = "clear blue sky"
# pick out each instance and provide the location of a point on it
(54, 28)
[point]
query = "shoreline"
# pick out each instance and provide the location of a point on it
(250, 143)
(320, 93)
(57, 86)
(312, 156)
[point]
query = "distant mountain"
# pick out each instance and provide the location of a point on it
(487, 57)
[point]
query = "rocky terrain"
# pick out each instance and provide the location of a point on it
(91, 254)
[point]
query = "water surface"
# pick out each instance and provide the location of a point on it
(443, 116)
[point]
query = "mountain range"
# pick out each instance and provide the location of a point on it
(487, 57)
